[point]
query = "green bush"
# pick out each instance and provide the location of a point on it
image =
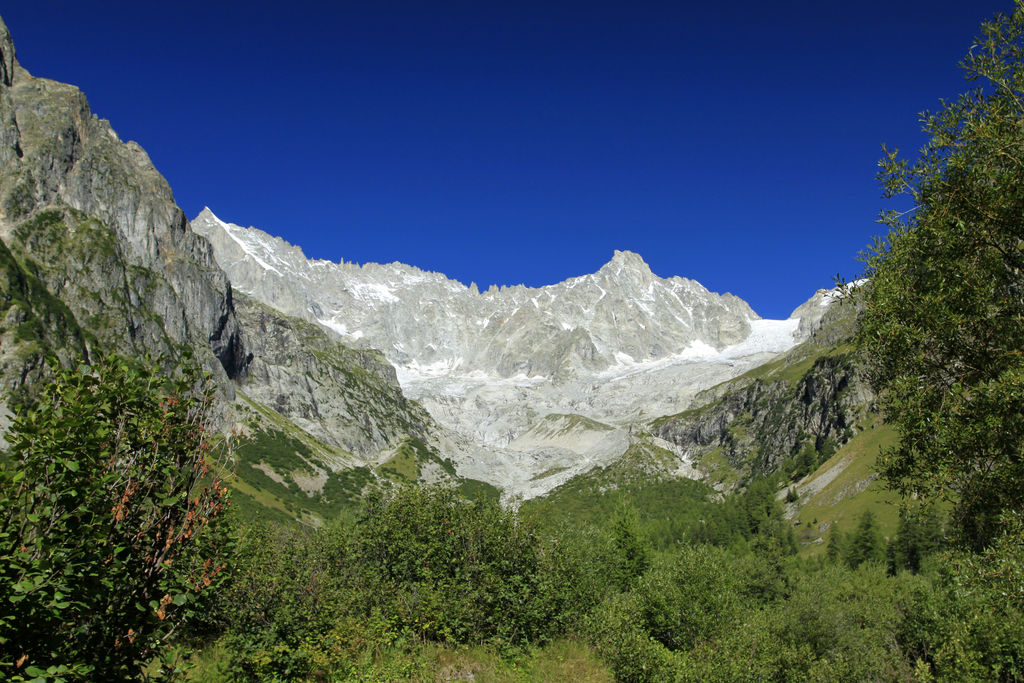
(689, 596)
(107, 511)
(455, 571)
(286, 606)
(968, 622)
(618, 632)
(419, 565)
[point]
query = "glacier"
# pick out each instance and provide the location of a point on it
(620, 346)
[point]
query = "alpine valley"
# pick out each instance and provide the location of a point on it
(344, 377)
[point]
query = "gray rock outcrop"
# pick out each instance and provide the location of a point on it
(91, 219)
(811, 395)
(346, 397)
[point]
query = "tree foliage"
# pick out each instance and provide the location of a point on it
(106, 506)
(420, 565)
(943, 326)
(866, 544)
(919, 534)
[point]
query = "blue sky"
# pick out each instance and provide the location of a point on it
(522, 142)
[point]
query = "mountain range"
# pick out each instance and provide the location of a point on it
(618, 347)
(344, 376)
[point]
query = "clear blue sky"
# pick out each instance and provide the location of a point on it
(503, 142)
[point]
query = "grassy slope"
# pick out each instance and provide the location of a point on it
(849, 495)
(639, 478)
(278, 444)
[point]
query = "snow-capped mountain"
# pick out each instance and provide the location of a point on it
(619, 346)
(429, 325)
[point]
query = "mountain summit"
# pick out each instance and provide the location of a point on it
(428, 324)
(626, 260)
(615, 345)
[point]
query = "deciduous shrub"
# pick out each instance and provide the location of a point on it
(107, 506)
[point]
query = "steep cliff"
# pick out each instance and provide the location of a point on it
(34, 324)
(89, 218)
(345, 397)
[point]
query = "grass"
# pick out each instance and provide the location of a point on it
(549, 472)
(560, 660)
(638, 479)
(843, 500)
(259, 495)
(473, 489)
(267, 419)
(718, 470)
(574, 422)
(403, 465)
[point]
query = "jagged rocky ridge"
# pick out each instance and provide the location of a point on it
(621, 345)
(89, 219)
(429, 325)
(95, 256)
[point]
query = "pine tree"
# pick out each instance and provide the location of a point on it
(867, 544)
(631, 552)
(918, 535)
(836, 550)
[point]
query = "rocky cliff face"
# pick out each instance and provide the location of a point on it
(809, 397)
(345, 397)
(91, 219)
(34, 324)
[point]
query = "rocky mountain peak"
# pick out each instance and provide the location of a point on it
(207, 215)
(101, 231)
(626, 261)
(611, 345)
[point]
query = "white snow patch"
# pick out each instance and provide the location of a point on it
(766, 336)
(838, 292)
(698, 350)
(455, 382)
(246, 247)
(373, 291)
(340, 328)
(626, 365)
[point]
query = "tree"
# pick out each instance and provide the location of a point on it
(631, 558)
(106, 506)
(866, 543)
(919, 534)
(943, 324)
(836, 549)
